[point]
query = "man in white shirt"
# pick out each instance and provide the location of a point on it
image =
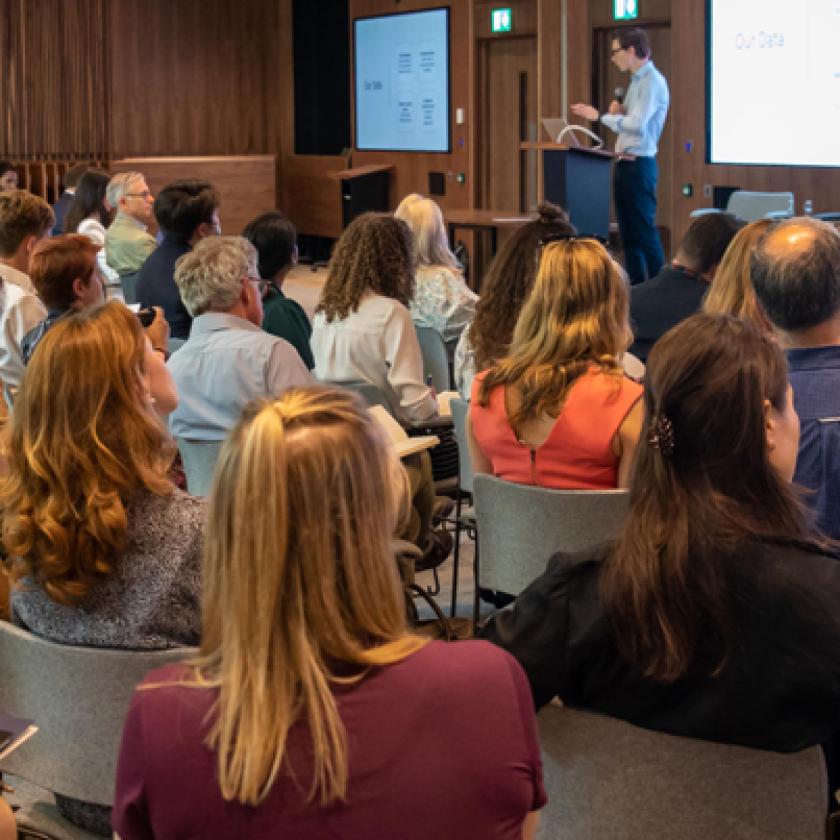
(25, 220)
(228, 360)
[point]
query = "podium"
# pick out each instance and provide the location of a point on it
(323, 196)
(579, 180)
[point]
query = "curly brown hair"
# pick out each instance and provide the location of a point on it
(375, 253)
(508, 283)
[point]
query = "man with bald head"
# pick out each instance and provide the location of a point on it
(796, 273)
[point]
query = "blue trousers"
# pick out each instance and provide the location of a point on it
(634, 188)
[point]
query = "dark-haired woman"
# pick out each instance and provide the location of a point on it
(362, 329)
(505, 287)
(714, 615)
(90, 214)
(275, 239)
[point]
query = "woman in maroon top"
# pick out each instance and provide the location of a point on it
(310, 710)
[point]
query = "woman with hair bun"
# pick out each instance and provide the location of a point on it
(714, 614)
(504, 289)
(558, 410)
(311, 710)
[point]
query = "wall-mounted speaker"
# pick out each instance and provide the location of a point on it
(437, 183)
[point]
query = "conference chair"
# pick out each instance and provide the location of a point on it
(435, 358)
(521, 526)
(610, 780)
(129, 287)
(199, 458)
(77, 697)
(463, 521)
(751, 206)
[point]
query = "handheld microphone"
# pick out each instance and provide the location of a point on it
(619, 95)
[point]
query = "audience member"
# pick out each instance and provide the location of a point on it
(66, 276)
(442, 300)
(90, 214)
(713, 616)
(105, 548)
(127, 240)
(186, 211)
(678, 290)
(505, 287)
(275, 239)
(69, 182)
(25, 220)
(362, 329)
(227, 360)
(796, 274)
(305, 653)
(731, 291)
(8, 176)
(558, 410)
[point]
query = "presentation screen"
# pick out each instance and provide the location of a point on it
(774, 82)
(402, 81)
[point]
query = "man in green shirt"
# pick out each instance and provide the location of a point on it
(275, 239)
(127, 241)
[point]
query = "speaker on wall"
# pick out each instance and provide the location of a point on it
(437, 183)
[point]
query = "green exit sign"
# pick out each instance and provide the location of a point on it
(501, 20)
(625, 9)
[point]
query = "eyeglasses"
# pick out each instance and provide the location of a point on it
(144, 194)
(262, 285)
(573, 237)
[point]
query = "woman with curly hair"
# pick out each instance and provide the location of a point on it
(731, 291)
(503, 292)
(442, 300)
(362, 329)
(558, 410)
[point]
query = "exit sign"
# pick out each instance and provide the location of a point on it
(625, 9)
(501, 20)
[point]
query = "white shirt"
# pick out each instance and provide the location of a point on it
(377, 344)
(20, 311)
(95, 231)
(224, 364)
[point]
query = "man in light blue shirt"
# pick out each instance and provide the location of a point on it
(638, 124)
(228, 360)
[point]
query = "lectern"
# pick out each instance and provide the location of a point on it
(579, 180)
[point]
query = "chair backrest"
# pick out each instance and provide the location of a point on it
(129, 286)
(78, 698)
(199, 458)
(435, 358)
(460, 408)
(610, 780)
(751, 206)
(521, 526)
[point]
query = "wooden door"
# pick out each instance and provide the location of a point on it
(507, 88)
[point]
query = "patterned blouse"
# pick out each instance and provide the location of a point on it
(442, 301)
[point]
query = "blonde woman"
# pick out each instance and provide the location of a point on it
(310, 710)
(442, 300)
(106, 552)
(559, 411)
(731, 291)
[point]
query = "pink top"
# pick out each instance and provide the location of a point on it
(441, 744)
(578, 453)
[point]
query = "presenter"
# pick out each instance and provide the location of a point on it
(638, 123)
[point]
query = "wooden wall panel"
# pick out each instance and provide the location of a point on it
(55, 81)
(412, 168)
(194, 77)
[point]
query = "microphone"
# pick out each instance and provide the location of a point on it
(619, 95)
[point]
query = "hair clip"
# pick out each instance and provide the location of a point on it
(661, 435)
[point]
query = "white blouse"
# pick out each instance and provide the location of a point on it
(93, 230)
(377, 344)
